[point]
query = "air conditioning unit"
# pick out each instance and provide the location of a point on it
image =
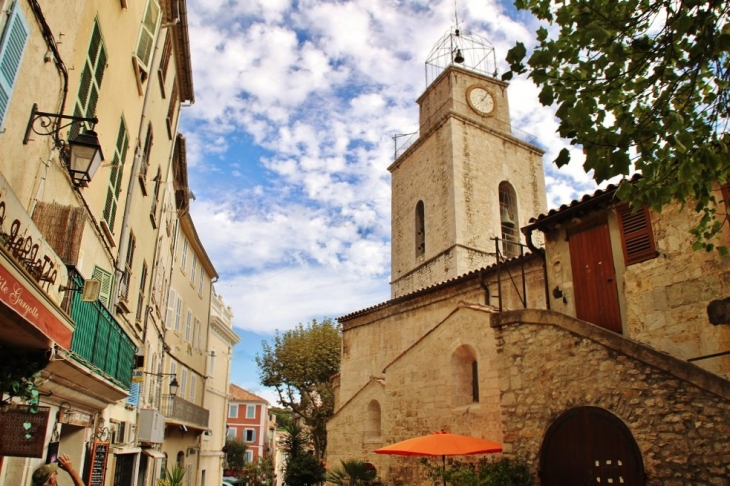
(92, 288)
(130, 432)
(151, 427)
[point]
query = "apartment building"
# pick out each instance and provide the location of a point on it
(94, 238)
(248, 421)
(221, 340)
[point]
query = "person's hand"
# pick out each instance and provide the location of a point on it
(64, 462)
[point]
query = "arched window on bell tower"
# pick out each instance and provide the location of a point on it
(420, 230)
(509, 221)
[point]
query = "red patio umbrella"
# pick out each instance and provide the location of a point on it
(441, 444)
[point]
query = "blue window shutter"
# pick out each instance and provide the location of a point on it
(133, 398)
(12, 46)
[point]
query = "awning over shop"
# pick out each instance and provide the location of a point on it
(30, 319)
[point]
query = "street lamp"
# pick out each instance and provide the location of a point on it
(174, 385)
(82, 155)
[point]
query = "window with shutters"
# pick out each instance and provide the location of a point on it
(173, 368)
(105, 290)
(637, 238)
(146, 40)
(128, 262)
(140, 298)
(178, 314)
(91, 78)
(199, 334)
(193, 386)
(12, 46)
(200, 281)
(170, 308)
(193, 269)
(171, 111)
(155, 198)
(188, 325)
(183, 381)
(145, 159)
(184, 256)
(165, 62)
(115, 178)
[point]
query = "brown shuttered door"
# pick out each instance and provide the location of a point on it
(594, 275)
(590, 446)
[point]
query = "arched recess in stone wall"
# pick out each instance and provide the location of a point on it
(589, 445)
(464, 376)
(420, 229)
(509, 219)
(373, 422)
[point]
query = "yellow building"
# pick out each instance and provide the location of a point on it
(84, 293)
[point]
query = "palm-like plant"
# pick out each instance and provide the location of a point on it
(354, 473)
(174, 477)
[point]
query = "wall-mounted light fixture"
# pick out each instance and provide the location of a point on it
(82, 155)
(174, 385)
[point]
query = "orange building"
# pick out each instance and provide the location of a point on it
(247, 421)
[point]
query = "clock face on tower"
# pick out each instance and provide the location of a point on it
(480, 100)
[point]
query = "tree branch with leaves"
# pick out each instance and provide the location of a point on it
(640, 85)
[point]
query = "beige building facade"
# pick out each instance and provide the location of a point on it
(221, 340)
(90, 255)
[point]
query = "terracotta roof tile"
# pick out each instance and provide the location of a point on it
(238, 394)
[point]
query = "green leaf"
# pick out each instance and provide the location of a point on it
(563, 158)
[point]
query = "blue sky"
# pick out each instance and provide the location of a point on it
(289, 141)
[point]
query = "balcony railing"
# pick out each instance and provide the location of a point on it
(98, 339)
(180, 410)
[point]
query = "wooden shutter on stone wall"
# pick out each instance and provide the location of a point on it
(62, 227)
(637, 237)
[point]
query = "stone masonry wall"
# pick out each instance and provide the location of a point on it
(663, 300)
(374, 338)
(667, 297)
(417, 396)
(678, 413)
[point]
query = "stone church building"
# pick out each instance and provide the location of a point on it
(589, 339)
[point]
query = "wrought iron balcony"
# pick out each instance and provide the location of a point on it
(184, 412)
(98, 340)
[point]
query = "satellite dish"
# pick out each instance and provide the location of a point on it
(92, 287)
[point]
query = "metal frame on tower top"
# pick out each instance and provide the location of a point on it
(463, 49)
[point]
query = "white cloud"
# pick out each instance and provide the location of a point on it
(290, 138)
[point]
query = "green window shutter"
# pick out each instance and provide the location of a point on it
(91, 78)
(106, 284)
(115, 178)
(147, 33)
(12, 46)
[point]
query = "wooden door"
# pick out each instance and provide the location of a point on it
(594, 274)
(588, 446)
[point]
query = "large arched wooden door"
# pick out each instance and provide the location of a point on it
(590, 446)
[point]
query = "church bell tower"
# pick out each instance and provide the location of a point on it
(467, 178)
